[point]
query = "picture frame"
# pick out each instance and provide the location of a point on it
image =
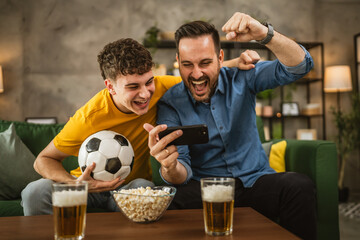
(290, 109)
(306, 134)
(41, 120)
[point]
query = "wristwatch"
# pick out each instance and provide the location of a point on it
(269, 35)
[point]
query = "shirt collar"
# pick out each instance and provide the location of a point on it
(220, 86)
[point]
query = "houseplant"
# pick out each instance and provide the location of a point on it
(151, 39)
(348, 138)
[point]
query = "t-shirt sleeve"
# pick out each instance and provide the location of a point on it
(169, 81)
(72, 135)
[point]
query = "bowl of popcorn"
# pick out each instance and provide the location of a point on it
(144, 205)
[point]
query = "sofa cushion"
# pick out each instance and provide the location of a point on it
(275, 150)
(16, 165)
(267, 147)
(277, 156)
(35, 136)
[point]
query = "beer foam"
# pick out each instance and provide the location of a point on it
(217, 193)
(69, 198)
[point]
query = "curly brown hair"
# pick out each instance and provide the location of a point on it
(125, 56)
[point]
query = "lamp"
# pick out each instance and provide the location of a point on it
(337, 79)
(1, 81)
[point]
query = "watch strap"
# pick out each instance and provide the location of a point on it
(269, 35)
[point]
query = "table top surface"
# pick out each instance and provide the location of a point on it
(174, 224)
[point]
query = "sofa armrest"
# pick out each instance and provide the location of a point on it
(318, 160)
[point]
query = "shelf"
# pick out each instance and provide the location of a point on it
(163, 44)
(297, 116)
(306, 80)
(224, 44)
(230, 44)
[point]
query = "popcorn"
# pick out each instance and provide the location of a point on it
(143, 204)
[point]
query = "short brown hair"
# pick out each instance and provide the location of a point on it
(196, 29)
(125, 56)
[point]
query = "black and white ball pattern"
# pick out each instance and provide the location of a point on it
(112, 153)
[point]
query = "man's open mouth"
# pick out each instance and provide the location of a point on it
(142, 103)
(200, 87)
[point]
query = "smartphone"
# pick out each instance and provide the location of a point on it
(192, 134)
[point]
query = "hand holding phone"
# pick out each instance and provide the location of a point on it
(192, 134)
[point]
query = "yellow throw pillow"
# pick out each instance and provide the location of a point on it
(277, 156)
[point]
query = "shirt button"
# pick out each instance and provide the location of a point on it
(213, 108)
(221, 127)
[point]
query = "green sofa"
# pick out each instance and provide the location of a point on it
(36, 137)
(317, 159)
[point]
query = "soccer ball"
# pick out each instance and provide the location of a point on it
(112, 153)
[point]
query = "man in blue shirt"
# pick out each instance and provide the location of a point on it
(224, 99)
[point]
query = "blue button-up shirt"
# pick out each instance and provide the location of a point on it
(234, 148)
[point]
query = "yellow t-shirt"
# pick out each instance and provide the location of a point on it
(100, 113)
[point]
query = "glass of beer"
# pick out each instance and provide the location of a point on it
(69, 209)
(218, 205)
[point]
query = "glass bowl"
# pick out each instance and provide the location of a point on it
(144, 205)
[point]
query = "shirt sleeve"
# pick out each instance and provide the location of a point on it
(271, 74)
(188, 170)
(301, 68)
(71, 137)
(167, 115)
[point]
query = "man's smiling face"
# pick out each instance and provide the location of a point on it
(199, 66)
(132, 93)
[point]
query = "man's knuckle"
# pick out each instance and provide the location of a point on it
(152, 153)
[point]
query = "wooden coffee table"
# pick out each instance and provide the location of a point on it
(175, 224)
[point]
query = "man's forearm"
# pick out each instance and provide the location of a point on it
(231, 63)
(52, 169)
(286, 50)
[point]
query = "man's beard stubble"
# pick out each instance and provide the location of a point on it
(212, 87)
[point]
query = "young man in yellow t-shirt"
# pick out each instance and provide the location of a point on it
(128, 102)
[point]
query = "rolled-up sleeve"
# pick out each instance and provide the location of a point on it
(304, 67)
(188, 170)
